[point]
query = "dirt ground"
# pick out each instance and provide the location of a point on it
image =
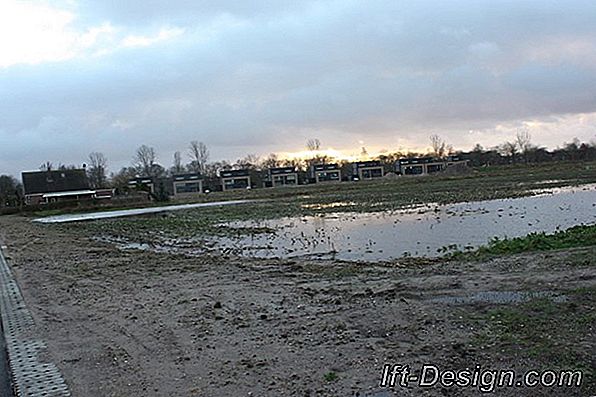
(138, 323)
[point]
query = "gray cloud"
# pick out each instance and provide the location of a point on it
(267, 76)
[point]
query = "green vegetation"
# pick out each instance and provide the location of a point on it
(554, 334)
(331, 376)
(577, 236)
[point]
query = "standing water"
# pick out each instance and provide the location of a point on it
(92, 216)
(421, 231)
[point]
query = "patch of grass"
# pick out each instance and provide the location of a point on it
(558, 335)
(577, 236)
(331, 376)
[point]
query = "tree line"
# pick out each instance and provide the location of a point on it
(145, 161)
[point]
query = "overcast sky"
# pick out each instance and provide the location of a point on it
(264, 76)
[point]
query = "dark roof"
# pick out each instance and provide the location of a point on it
(326, 167)
(282, 170)
(427, 160)
(233, 173)
(54, 181)
(418, 160)
(365, 164)
(187, 177)
(454, 158)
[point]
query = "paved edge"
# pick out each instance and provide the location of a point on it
(30, 374)
(5, 382)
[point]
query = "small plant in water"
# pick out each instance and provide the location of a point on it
(330, 376)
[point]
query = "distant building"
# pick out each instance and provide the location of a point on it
(367, 170)
(158, 188)
(235, 179)
(282, 176)
(144, 183)
(104, 193)
(187, 184)
(453, 160)
(326, 173)
(42, 187)
(425, 165)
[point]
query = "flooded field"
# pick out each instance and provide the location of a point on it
(131, 212)
(428, 230)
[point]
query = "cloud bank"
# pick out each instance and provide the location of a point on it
(261, 76)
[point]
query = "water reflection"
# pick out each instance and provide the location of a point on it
(419, 231)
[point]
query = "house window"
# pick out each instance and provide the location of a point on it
(372, 173)
(236, 183)
(329, 176)
(191, 187)
(434, 168)
(413, 170)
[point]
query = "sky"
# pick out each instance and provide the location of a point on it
(265, 76)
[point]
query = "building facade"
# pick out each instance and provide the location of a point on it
(363, 170)
(425, 165)
(326, 173)
(187, 185)
(143, 183)
(235, 179)
(283, 176)
(43, 187)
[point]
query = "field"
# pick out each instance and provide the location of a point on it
(371, 196)
(132, 322)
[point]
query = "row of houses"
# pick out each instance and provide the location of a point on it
(188, 184)
(72, 185)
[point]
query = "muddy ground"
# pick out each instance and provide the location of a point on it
(138, 323)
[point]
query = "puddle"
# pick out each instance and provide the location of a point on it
(558, 190)
(416, 231)
(499, 297)
(137, 211)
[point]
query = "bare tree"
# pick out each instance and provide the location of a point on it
(524, 142)
(96, 172)
(47, 166)
(319, 159)
(177, 167)
(10, 191)
(313, 145)
(449, 150)
(509, 149)
(295, 162)
(119, 180)
(439, 145)
(199, 155)
(212, 169)
(271, 162)
(250, 161)
(144, 160)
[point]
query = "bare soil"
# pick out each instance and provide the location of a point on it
(139, 323)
